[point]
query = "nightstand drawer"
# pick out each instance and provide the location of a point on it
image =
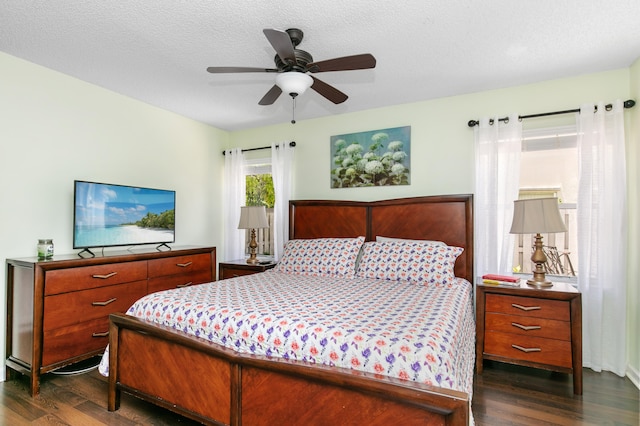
(240, 267)
(234, 272)
(528, 326)
(528, 306)
(533, 349)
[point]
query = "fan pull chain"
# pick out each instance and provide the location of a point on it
(293, 97)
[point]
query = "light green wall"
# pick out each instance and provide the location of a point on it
(54, 129)
(633, 271)
(442, 146)
(441, 141)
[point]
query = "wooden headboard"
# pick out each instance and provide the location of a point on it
(446, 218)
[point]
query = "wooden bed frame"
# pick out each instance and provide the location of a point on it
(215, 385)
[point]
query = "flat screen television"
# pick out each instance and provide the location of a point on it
(107, 215)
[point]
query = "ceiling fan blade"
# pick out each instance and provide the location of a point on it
(328, 91)
(220, 70)
(281, 43)
(346, 63)
(271, 96)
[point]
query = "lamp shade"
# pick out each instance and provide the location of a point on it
(537, 215)
(253, 217)
(293, 82)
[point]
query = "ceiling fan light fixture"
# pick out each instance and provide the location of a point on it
(293, 82)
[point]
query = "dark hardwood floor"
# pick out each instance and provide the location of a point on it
(512, 395)
(503, 395)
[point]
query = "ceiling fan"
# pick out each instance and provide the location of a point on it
(294, 66)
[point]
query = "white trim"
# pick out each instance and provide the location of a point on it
(633, 375)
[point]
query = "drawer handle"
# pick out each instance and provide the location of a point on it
(104, 277)
(185, 285)
(103, 334)
(526, 350)
(104, 303)
(184, 265)
(526, 308)
(526, 327)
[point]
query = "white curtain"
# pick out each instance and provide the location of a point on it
(497, 168)
(234, 197)
(282, 174)
(602, 236)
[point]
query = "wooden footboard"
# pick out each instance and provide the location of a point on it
(215, 385)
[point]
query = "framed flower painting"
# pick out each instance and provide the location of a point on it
(373, 158)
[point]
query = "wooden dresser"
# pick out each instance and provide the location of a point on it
(58, 309)
(528, 326)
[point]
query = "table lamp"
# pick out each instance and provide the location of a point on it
(537, 216)
(253, 217)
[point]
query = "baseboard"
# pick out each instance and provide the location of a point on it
(633, 375)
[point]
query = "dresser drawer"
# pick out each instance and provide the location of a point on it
(76, 340)
(528, 326)
(176, 281)
(528, 306)
(72, 279)
(180, 265)
(533, 349)
(71, 308)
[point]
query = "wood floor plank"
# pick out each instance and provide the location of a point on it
(15, 400)
(10, 417)
(100, 413)
(62, 402)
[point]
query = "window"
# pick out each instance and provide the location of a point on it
(549, 168)
(260, 192)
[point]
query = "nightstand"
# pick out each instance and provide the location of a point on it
(236, 268)
(533, 327)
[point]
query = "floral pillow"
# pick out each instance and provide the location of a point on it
(416, 262)
(321, 256)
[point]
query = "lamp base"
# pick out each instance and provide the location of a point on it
(539, 259)
(540, 284)
(253, 260)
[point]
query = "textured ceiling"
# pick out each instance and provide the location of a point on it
(157, 51)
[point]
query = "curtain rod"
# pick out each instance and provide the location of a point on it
(630, 103)
(291, 144)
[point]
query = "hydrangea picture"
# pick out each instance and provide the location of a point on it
(373, 158)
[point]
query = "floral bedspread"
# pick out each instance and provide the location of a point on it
(420, 333)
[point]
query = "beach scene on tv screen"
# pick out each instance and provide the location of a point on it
(112, 215)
